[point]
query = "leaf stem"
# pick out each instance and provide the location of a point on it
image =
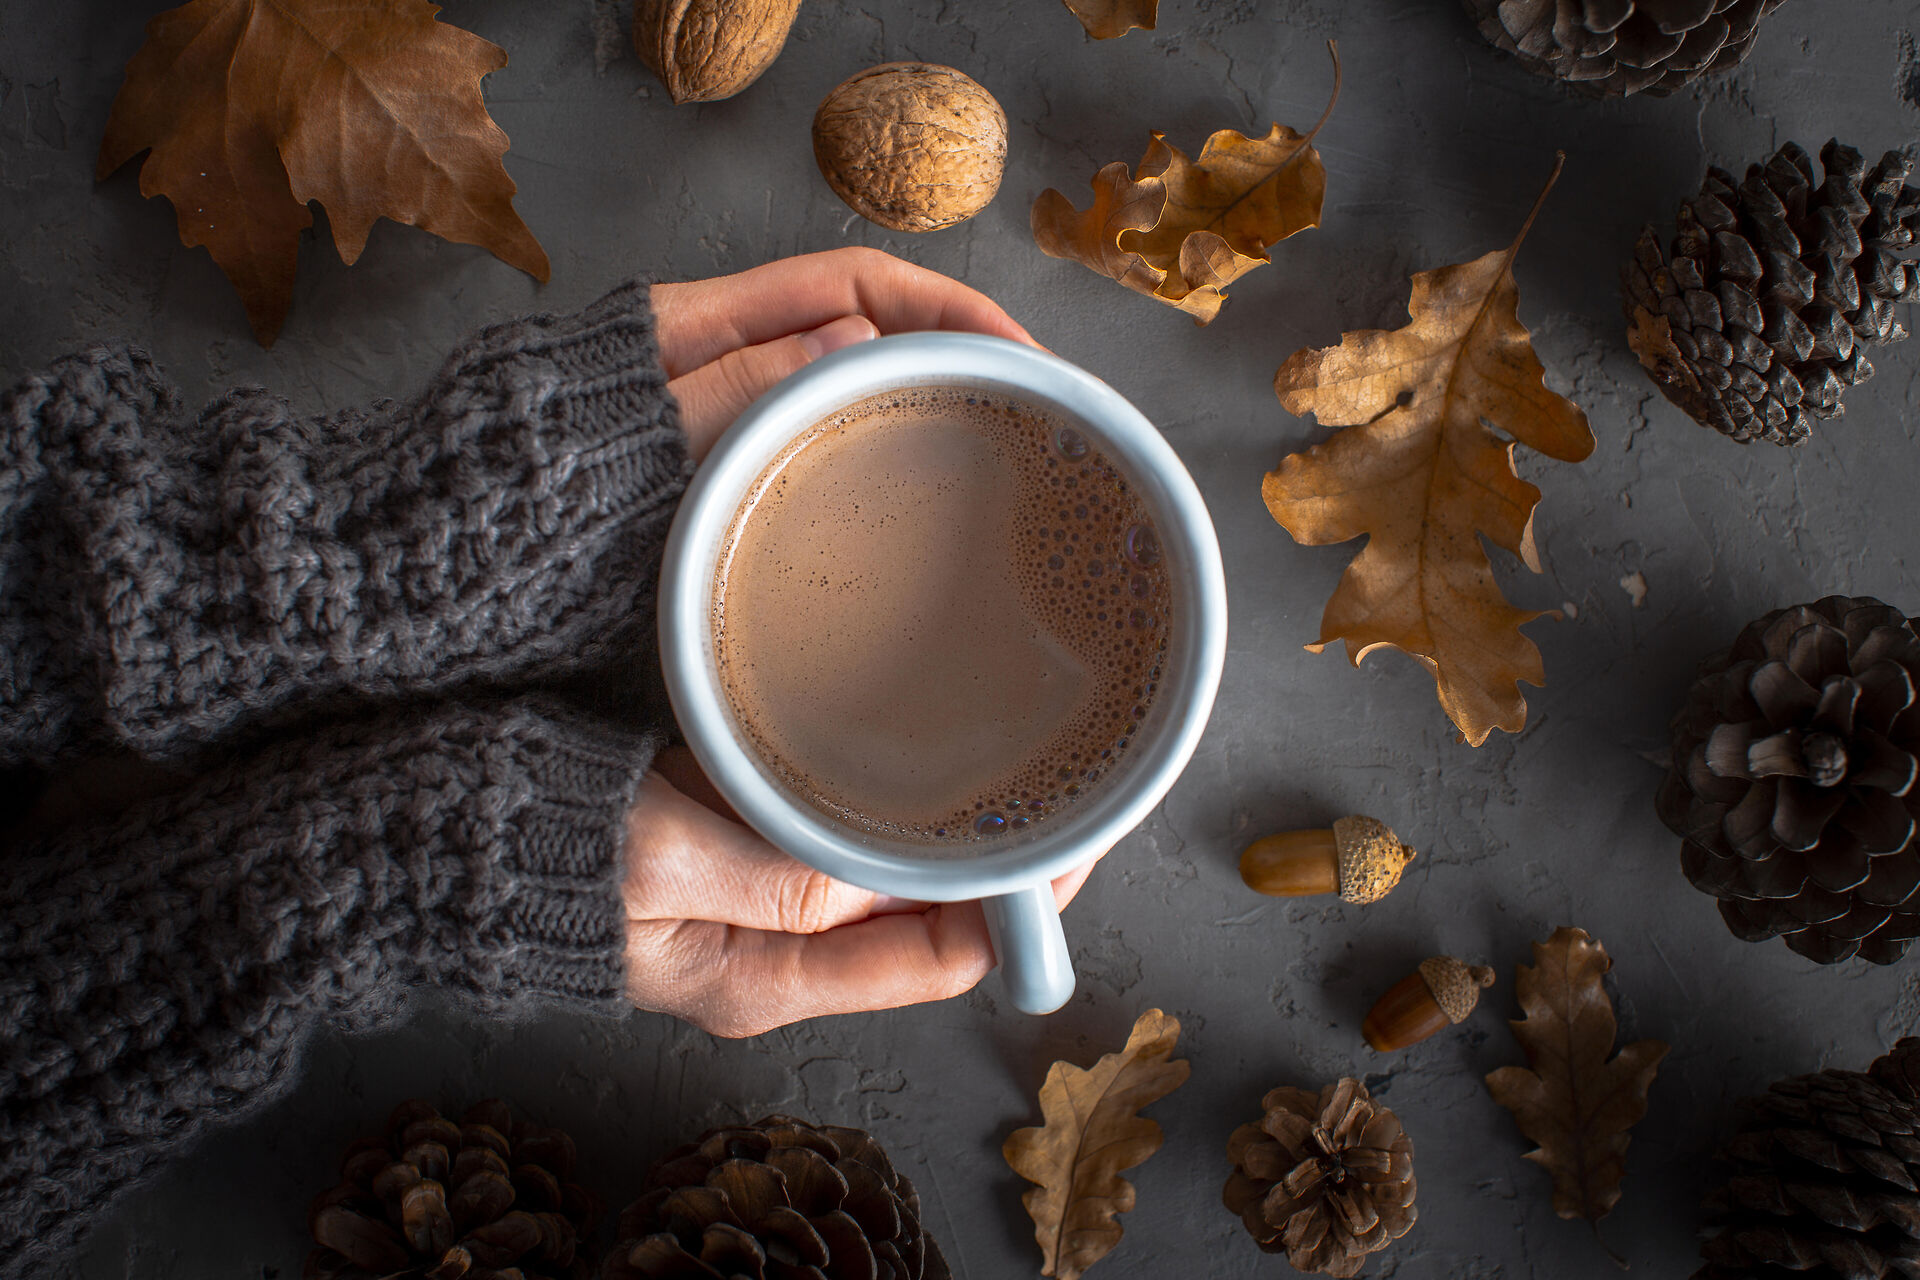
(1559, 163)
(1606, 1248)
(1333, 51)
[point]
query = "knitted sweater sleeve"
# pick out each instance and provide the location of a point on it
(161, 971)
(163, 579)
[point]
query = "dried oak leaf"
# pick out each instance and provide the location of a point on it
(251, 108)
(1576, 1104)
(1420, 472)
(1105, 19)
(1182, 230)
(1093, 1132)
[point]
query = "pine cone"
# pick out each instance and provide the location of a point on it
(773, 1200)
(1327, 1178)
(1792, 778)
(484, 1199)
(1616, 47)
(1757, 325)
(1825, 1168)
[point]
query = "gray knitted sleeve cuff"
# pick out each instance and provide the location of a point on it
(563, 926)
(594, 380)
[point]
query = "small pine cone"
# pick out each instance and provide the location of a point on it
(484, 1199)
(775, 1199)
(1792, 780)
(1758, 322)
(1612, 48)
(1825, 1168)
(1327, 1179)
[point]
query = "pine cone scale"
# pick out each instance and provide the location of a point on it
(1844, 868)
(424, 1219)
(1642, 45)
(1267, 1161)
(1881, 822)
(814, 1184)
(363, 1241)
(1680, 15)
(1801, 813)
(1748, 826)
(1300, 1185)
(1701, 47)
(1893, 883)
(841, 1237)
(750, 1190)
(1886, 689)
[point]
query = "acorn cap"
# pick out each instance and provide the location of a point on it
(1455, 985)
(1371, 858)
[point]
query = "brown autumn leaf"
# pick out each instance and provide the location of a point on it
(251, 108)
(1093, 1132)
(1419, 471)
(1105, 19)
(1182, 230)
(1576, 1104)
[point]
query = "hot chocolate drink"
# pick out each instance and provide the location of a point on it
(940, 615)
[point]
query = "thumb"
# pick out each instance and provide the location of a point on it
(716, 393)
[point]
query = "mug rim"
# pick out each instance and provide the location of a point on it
(706, 515)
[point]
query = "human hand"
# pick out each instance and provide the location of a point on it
(727, 340)
(738, 938)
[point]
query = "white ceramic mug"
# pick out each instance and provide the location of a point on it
(1010, 873)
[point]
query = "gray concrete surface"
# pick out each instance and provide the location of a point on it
(1434, 154)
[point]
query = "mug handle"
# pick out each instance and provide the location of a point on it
(1026, 934)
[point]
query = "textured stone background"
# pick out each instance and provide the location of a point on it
(1433, 156)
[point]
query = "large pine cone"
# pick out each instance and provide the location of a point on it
(779, 1199)
(1826, 1167)
(484, 1199)
(1327, 1178)
(1757, 324)
(1618, 47)
(1794, 761)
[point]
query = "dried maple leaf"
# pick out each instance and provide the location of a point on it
(1093, 1132)
(1182, 230)
(1576, 1104)
(251, 108)
(1419, 470)
(1105, 19)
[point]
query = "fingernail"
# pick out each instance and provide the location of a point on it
(888, 905)
(836, 334)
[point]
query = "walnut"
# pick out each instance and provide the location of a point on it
(911, 146)
(706, 50)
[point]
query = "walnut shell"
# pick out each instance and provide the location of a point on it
(911, 145)
(706, 50)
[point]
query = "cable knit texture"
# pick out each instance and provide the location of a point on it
(313, 621)
(163, 583)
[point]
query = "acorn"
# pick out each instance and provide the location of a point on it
(1358, 858)
(1440, 993)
